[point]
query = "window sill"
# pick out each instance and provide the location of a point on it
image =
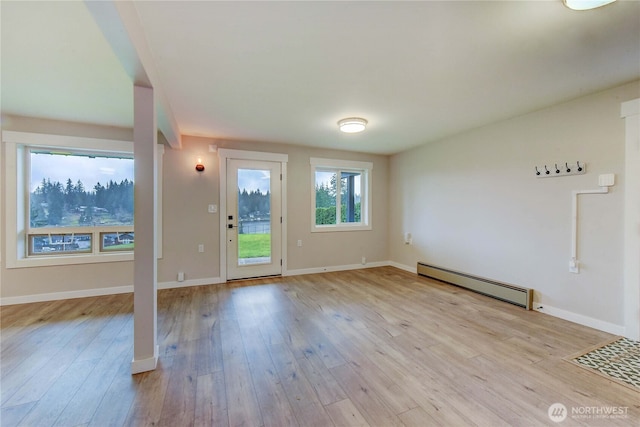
(53, 260)
(346, 227)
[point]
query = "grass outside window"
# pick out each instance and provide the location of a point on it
(254, 245)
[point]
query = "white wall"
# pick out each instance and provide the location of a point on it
(187, 222)
(473, 203)
(630, 112)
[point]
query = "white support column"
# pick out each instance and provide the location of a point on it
(145, 349)
(631, 113)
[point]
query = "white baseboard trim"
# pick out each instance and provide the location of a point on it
(145, 365)
(579, 319)
(404, 267)
(98, 292)
(191, 282)
(333, 268)
(54, 296)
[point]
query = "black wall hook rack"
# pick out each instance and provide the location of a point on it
(560, 169)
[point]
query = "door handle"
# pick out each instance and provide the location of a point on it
(232, 226)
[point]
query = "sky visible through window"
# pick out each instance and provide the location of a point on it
(89, 170)
(254, 179)
(323, 178)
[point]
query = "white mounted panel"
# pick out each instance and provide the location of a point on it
(606, 180)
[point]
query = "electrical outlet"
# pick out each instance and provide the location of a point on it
(299, 243)
(200, 247)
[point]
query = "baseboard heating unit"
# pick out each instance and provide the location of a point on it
(522, 297)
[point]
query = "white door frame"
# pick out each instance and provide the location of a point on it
(630, 111)
(223, 155)
(253, 268)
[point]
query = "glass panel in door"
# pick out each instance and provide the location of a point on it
(254, 216)
(254, 212)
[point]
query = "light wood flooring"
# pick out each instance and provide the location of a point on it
(377, 347)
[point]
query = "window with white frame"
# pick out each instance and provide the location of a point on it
(341, 195)
(72, 199)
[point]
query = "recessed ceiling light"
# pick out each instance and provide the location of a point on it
(585, 4)
(352, 125)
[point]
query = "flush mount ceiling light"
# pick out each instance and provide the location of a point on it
(352, 125)
(585, 4)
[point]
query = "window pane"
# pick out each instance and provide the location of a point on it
(326, 189)
(75, 190)
(118, 241)
(342, 190)
(254, 216)
(59, 243)
(350, 196)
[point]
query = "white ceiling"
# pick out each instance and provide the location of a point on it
(286, 72)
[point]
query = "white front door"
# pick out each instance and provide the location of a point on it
(253, 218)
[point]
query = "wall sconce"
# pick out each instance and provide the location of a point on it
(199, 165)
